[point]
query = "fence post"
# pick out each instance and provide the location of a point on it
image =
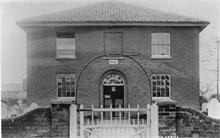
(81, 122)
(154, 121)
(73, 121)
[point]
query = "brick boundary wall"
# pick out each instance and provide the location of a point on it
(193, 123)
(54, 122)
(35, 123)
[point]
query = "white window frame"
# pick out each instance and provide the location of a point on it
(160, 45)
(61, 38)
(63, 98)
(161, 98)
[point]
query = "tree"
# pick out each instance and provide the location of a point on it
(204, 90)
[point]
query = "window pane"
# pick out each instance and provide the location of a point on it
(72, 94)
(154, 88)
(65, 43)
(59, 94)
(160, 38)
(167, 94)
(68, 94)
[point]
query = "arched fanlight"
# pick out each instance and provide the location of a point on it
(113, 79)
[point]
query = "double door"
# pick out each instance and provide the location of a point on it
(113, 95)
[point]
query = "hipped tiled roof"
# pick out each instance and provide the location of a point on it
(110, 12)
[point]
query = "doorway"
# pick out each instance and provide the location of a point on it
(113, 92)
(113, 95)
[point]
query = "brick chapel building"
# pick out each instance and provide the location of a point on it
(113, 53)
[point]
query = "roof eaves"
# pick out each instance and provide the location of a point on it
(41, 24)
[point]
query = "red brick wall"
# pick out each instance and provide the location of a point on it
(183, 66)
(40, 122)
(36, 123)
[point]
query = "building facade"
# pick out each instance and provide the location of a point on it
(113, 53)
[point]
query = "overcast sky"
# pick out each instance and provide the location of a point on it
(13, 39)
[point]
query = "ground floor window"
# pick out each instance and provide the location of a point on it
(65, 85)
(160, 85)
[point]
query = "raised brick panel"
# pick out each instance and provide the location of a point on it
(167, 120)
(36, 123)
(60, 120)
(183, 66)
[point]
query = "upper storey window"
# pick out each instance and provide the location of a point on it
(160, 45)
(113, 43)
(65, 42)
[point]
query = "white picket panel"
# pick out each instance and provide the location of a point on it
(121, 126)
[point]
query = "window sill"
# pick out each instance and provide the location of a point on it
(66, 57)
(161, 57)
(161, 98)
(164, 100)
(63, 100)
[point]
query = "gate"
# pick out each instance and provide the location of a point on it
(119, 122)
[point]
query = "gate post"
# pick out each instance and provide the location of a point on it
(73, 121)
(81, 122)
(154, 121)
(147, 134)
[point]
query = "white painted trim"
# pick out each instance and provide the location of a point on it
(66, 98)
(160, 57)
(65, 57)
